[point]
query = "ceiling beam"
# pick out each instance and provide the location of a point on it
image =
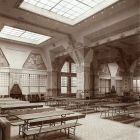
(133, 32)
(21, 20)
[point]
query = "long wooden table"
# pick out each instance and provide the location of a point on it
(4, 108)
(134, 110)
(117, 107)
(13, 102)
(49, 116)
(58, 100)
(7, 99)
(27, 117)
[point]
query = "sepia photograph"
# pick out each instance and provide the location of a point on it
(69, 69)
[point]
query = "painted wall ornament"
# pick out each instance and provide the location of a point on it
(34, 61)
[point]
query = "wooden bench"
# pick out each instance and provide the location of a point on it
(133, 107)
(14, 121)
(135, 111)
(35, 132)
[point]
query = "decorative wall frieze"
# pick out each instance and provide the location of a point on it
(34, 61)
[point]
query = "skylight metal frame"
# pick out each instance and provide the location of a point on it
(67, 11)
(17, 34)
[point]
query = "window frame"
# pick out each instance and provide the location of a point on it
(69, 74)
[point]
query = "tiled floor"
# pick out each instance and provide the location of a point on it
(93, 128)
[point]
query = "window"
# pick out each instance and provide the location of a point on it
(119, 86)
(25, 82)
(105, 85)
(64, 84)
(4, 83)
(33, 83)
(68, 78)
(65, 67)
(73, 84)
(73, 68)
(42, 83)
(136, 85)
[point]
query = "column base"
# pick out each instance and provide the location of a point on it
(52, 92)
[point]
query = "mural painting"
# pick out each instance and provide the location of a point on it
(34, 61)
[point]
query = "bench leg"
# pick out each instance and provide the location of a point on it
(21, 129)
(34, 137)
(25, 137)
(72, 133)
(68, 132)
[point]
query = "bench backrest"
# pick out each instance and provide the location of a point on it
(133, 107)
(62, 124)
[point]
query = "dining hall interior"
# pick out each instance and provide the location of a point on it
(69, 69)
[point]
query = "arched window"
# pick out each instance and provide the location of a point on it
(68, 78)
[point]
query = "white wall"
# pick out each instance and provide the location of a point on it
(16, 56)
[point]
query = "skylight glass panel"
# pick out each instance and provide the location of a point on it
(47, 7)
(44, 1)
(40, 5)
(60, 12)
(90, 3)
(55, 10)
(69, 6)
(74, 2)
(12, 31)
(66, 15)
(98, 1)
(22, 35)
(58, 7)
(67, 11)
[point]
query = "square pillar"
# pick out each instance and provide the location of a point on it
(83, 82)
(52, 83)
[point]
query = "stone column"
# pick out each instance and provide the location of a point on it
(113, 67)
(113, 83)
(127, 81)
(96, 84)
(83, 81)
(52, 83)
(131, 80)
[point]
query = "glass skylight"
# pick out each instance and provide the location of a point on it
(22, 35)
(67, 11)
